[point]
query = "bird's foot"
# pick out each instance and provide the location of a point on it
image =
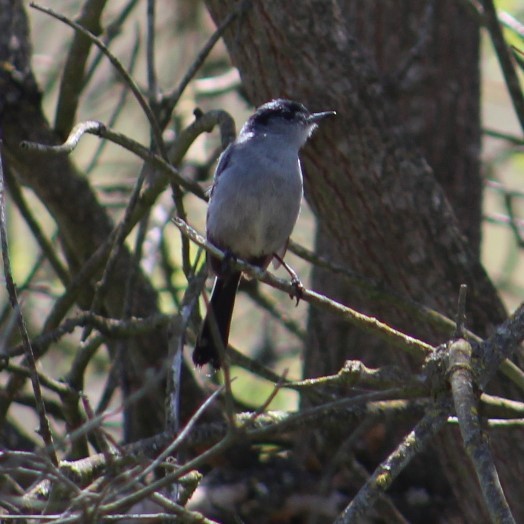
(298, 290)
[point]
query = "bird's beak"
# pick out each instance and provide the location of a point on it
(314, 118)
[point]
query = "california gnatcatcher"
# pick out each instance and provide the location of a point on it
(254, 204)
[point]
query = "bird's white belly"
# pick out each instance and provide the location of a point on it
(254, 219)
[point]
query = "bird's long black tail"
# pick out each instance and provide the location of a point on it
(217, 321)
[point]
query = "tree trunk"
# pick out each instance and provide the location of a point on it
(371, 173)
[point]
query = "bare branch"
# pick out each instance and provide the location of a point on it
(172, 99)
(383, 476)
(44, 430)
(505, 59)
(368, 324)
(119, 67)
(466, 406)
(73, 76)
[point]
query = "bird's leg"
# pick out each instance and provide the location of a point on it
(298, 287)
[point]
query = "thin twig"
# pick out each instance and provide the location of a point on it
(89, 126)
(48, 250)
(44, 430)
(122, 229)
(152, 81)
(500, 346)
(512, 139)
(100, 436)
(111, 327)
(72, 82)
(112, 31)
(512, 23)
(274, 423)
(498, 407)
(168, 479)
(385, 473)
(377, 291)
(118, 108)
(176, 343)
(505, 59)
(132, 398)
(368, 324)
(147, 198)
(56, 386)
(355, 374)
(461, 313)
(276, 388)
(121, 70)
(100, 130)
(182, 436)
(231, 437)
(173, 98)
(270, 305)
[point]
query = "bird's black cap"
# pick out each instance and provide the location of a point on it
(287, 110)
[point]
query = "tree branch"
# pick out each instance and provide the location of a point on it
(466, 406)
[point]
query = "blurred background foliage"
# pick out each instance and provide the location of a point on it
(503, 163)
(183, 27)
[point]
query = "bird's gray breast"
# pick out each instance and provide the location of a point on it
(255, 203)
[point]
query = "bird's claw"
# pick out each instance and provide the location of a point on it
(298, 290)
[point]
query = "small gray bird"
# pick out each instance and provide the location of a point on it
(254, 204)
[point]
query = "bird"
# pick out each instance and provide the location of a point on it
(253, 206)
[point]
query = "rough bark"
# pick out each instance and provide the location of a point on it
(380, 208)
(411, 44)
